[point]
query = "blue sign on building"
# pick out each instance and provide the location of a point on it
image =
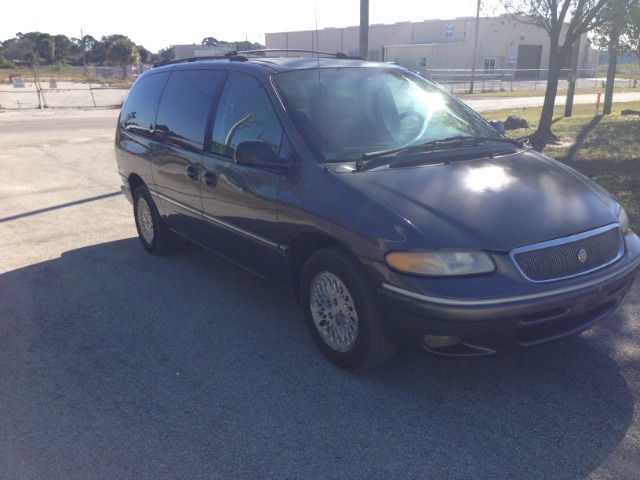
(448, 30)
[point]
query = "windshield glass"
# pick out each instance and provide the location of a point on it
(348, 112)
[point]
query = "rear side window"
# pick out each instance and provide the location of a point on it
(185, 106)
(139, 111)
(244, 113)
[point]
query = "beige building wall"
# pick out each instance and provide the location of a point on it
(503, 43)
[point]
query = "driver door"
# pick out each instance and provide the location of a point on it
(240, 202)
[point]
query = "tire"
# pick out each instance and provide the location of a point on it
(154, 234)
(341, 311)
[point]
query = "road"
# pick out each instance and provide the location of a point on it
(115, 364)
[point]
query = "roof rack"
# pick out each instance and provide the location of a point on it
(232, 56)
(242, 55)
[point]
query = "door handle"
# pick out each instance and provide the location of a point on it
(191, 172)
(210, 178)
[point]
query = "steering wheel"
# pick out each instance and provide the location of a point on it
(409, 126)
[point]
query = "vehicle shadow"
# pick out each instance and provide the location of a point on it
(118, 364)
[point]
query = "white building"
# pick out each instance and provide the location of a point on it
(191, 51)
(503, 44)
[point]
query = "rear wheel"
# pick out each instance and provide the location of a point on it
(154, 234)
(341, 311)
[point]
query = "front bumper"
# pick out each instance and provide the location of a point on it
(489, 326)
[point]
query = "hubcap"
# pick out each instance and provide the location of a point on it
(334, 312)
(145, 220)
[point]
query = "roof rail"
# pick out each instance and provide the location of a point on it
(232, 56)
(235, 56)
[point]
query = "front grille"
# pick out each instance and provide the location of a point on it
(570, 256)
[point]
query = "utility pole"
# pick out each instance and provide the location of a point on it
(364, 29)
(475, 48)
(84, 56)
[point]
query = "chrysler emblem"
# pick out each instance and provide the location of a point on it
(582, 255)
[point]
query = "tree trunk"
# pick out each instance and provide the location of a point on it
(568, 109)
(611, 73)
(543, 134)
(611, 80)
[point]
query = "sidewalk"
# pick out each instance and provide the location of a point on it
(486, 104)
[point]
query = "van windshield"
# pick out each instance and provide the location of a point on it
(347, 112)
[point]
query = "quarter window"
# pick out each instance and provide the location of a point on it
(139, 111)
(244, 113)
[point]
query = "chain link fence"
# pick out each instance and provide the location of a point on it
(106, 87)
(68, 87)
(458, 81)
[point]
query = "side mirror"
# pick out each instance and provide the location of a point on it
(258, 153)
(498, 126)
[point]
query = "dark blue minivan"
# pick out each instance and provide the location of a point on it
(395, 213)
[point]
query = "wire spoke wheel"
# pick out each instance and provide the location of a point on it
(341, 310)
(145, 220)
(154, 235)
(334, 312)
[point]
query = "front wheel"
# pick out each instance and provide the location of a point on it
(341, 311)
(154, 234)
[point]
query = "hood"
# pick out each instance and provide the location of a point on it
(491, 203)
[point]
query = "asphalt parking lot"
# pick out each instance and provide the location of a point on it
(115, 364)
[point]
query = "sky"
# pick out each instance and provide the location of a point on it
(158, 25)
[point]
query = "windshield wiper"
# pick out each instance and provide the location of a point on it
(450, 142)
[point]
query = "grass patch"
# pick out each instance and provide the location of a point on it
(604, 148)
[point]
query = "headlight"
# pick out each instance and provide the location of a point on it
(441, 262)
(623, 220)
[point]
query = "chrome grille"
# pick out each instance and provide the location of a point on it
(570, 256)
